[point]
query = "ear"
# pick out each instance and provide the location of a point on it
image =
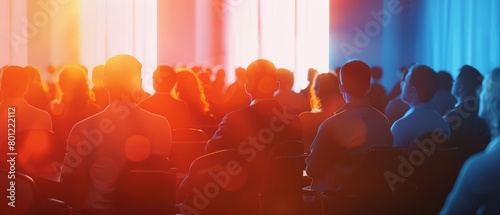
(248, 88)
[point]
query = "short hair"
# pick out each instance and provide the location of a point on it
(355, 76)
(377, 73)
(14, 81)
(164, 77)
(490, 101)
(285, 77)
(122, 72)
(471, 79)
(445, 81)
(425, 81)
(98, 75)
(262, 75)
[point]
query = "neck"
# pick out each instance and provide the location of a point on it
(348, 98)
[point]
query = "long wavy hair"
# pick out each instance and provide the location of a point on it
(189, 89)
(324, 91)
(490, 102)
(74, 86)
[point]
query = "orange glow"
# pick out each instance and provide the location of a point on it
(34, 151)
(137, 148)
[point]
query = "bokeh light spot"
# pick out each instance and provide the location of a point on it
(137, 148)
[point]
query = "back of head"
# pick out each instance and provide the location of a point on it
(445, 81)
(122, 74)
(471, 79)
(72, 76)
(164, 78)
(425, 81)
(74, 85)
(240, 74)
(311, 74)
(285, 77)
(377, 73)
(14, 81)
(489, 109)
(98, 75)
(325, 89)
(261, 78)
(355, 76)
(34, 75)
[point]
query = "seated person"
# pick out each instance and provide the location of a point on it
(326, 99)
(343, 138)
(443, 100)
(162, 102)
(477, 190)
(419, 87)
(20, 117)
(469, 132)
(254, 130)
(100, 146)
(286, 96)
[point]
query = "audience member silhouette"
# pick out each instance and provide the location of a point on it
(19, 116)
(14, 85)
(286, 96)
(468, 131)
(235, 96)
(396, 90)
(311, 76)
(396, 108)
(254, 129)
(342, 139)
(100, 146)
(419, 86)
(38, 95)
(377, 94)
(162, 102)
(100, 93)
(325, 101)
(443, 100)
(217, 87)
(75, 102)
(476, 189)
(190, 90)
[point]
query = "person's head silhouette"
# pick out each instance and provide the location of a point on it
(74, 85)
(164, 79)
(468, 82)
(285, 77)
(98, 75)
(261, 79)
(489, 109)
(419, 85)
(355, 76)
(122, 76)
(14, 82)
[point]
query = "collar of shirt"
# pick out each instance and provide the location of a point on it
(419, 107)
(255, 101)
(354, 104)
(493, 145)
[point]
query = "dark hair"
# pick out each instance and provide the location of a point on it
(285, 77)
(425, 81)
(164, 78)
(261, 74)
(471, 79)
(377, 72)
(445, 81)
(355, 77)
(14, 80)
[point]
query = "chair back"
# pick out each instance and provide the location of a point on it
(36, 150)
(281, 187)
(146, 187)
(187, 145)
(20, 190)
(180, 135)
